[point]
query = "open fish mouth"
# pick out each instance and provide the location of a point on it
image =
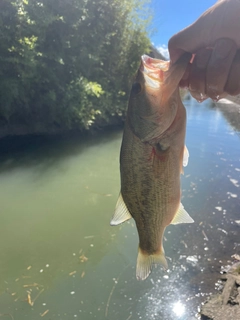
(153, 70)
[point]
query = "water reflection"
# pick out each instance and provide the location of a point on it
(179, 308)
(57, 246)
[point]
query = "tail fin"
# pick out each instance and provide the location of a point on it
(146, 262)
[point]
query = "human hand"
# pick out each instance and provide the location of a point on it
(214, 41)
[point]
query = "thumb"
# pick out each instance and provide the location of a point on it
(175, 73)
(219, 21)
(189, 40)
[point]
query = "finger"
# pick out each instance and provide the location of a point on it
(194, 37)
(213, 24)
(185, 78)
(219, 66)
(173, 76)
(184, 83)
(197, 76)
(232, 86)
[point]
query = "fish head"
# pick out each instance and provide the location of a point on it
(154, 97)
(144, 108)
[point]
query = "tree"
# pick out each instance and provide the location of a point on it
(68, 64)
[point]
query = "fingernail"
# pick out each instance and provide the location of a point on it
(222, 48)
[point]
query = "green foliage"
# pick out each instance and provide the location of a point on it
(69, 64)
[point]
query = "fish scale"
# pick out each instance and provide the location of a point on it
(152, 155)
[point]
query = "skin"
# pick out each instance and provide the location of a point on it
(214, 41)
(150, 182)
(152, 155)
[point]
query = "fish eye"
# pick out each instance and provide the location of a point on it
(136, 88)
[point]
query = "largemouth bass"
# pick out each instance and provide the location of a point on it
(152, 156)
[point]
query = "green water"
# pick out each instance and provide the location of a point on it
(58, 250)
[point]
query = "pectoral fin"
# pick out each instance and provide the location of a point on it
(146, 262)
(185, 157)
(121, 213)
(182, 216)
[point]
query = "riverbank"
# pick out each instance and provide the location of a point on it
(230, 108)
(226, 303)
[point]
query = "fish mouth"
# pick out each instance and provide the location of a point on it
(153, 70)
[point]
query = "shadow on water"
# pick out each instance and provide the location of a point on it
(59, 257)
(47, 151)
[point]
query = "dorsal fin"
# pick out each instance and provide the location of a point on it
(121, 213)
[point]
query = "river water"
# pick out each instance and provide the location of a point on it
(59, 257)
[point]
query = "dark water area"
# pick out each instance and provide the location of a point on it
(60, 258)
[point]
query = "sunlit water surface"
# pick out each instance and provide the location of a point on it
(59, 257)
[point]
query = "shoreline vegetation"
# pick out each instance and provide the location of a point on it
(68, 65)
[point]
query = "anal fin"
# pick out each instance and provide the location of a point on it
(121, 213)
